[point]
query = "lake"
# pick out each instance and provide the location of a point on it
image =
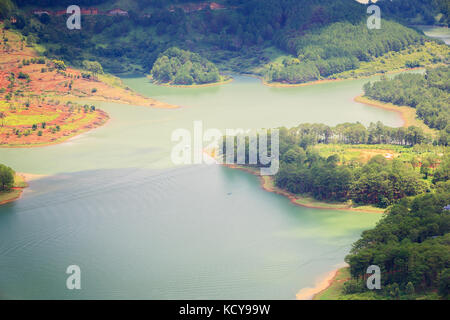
(436, 32)
(140, 227)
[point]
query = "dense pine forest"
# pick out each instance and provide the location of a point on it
(337, 48)
(428, 93)
(411, 246)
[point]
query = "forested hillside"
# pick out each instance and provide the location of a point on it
(411, 245)
(428, 93)
(318, 38)
(337, 48)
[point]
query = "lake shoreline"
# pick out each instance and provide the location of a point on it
(336, 279)
(26, 178)
(315, 82)
(104, 120)
(408, 114)
(16, 191)
(267, 184)
(224, 81)
(323, 284)
(404, 113)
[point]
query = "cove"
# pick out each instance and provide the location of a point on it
(113, 203)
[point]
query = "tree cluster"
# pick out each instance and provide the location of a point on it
(411, 245)
(183, 67)
(428, 93)
(379, 182)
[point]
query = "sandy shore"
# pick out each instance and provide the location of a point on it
(323, 283)
(267, 184)
(408, 114)
(31, 176)
(404, 112)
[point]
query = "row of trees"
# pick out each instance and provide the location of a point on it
(307, 134)
(183, 67)
(428, 93)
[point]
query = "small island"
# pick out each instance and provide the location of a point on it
(177, 67)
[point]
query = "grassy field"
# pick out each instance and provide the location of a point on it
(415, 155)
(19, 181)
(364, 152)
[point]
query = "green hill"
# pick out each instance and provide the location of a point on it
(180, 67)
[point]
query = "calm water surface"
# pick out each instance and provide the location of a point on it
(138, 227)
(437, 32)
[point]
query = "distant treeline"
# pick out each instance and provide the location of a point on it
(337, 48)
(133, 43)
(428, 93)
(432, 12)
(355, 133)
